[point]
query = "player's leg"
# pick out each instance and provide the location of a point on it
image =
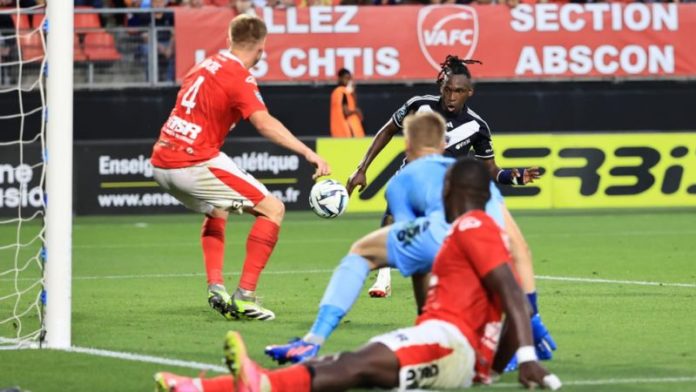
(375, 365)
(522, 256)
(244, 193)
(213, 245)
(170, 382)
(382, 286)
(261, 242)
(343, 290)
(186, 185)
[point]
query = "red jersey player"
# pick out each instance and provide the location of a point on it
(214, 96)
(460, 338)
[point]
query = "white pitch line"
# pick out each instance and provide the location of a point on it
(196, 274)
(347, 241)
(195, 244)
(574, 279)
(167, 276)
(613, 281)
(146, 358)
(613, 381)
(221, 369)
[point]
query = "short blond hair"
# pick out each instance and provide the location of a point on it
(247, 30)
(426, 129)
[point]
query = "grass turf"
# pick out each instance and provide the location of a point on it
(139, 287)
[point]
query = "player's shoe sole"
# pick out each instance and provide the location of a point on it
(161, 383)
(222, 303)
(379, 291)
(248, 376)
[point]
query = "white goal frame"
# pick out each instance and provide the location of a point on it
(59, 173)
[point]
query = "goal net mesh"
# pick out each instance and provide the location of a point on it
(22, 173)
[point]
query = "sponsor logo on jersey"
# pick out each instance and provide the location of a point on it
(408, 234)
(446, 29)
(182, 129)
(465, 143)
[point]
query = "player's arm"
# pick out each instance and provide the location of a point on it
(272, 129)
(420, 289)
(517, 338)
(381, 139)
(483, 150)
(397, 196)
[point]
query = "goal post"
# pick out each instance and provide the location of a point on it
(59, 173)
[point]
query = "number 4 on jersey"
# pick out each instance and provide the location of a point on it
(189, 99)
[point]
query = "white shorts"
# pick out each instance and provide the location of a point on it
(216, 183)
(432, 355)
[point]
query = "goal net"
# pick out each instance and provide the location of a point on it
(22, 173)
(25, 148)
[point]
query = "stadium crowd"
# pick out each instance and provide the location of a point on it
(249, 4)
(245, 5)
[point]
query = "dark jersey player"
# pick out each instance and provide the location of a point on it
(465, 128)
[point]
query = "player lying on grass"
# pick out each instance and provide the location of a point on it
(465, 131)
(410, 244)
(459, 340)
(214, 96)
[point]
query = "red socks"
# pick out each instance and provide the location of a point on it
(260, 244)
(213, 243)
(295, 378)
(218, 384)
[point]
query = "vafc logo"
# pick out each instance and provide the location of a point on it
(447, 29)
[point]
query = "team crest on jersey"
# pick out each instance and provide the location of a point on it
(447, 29)
(468, 223)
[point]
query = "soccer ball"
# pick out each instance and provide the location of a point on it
(328, 199)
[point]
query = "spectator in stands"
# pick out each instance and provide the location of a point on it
(310, 3)
(346, 117)
(243, 7)
(164, 23)
(361, 2)
(286, 4)
(194, 3)
(6, 31)
(268, 3)
(89, 3)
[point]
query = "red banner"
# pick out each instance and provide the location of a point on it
(540, 41)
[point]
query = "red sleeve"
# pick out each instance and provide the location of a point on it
(480, 240)
(246, 96)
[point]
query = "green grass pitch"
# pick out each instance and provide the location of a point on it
(139, 287)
